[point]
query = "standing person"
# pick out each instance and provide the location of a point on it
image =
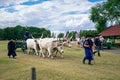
(87, 44)
(26, 35)
(81, 41)
(78, 39)
(101, 41)
(97, 43)
(11, 48)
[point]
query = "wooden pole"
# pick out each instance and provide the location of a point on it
(33, 73)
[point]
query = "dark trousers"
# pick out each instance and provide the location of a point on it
(97, 50)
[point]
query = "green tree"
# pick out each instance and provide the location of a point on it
(38, 32)
(88, 32)
(9, 33)
(60, 35)
(107, 12)
(72, 34)
(17, 32)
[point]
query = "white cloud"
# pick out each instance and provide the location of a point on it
(11, 2)
(48, 14)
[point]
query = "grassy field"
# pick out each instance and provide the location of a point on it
(70, 67)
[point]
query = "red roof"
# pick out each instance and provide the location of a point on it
(111, 31)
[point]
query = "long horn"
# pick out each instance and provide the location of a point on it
(67, 35)
(71, 37)
(54, 35)
(32, 36)
(41, 36)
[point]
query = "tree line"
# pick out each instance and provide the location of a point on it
(17, 33)
(82, 33)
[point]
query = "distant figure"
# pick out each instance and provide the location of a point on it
(11, 48)
(78, 39)
(87, 44)
(81, 41)
(26, 35)
(101, 41)
(97, 43)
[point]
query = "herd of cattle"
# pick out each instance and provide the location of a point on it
(48, 47)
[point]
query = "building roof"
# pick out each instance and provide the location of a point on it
(111, 31)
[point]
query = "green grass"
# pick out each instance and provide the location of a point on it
(70, 67)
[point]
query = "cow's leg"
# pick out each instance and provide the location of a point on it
(50, 54)
(36, 52)
(61, 55)
(28, 50)
(55, 51)
(41, 51)
(60, 50)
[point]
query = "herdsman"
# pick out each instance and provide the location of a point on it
(87, 44)
(11, 48)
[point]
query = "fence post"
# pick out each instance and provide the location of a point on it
(33, 73)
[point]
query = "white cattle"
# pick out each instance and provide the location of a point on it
(32, 44)
(67, 42)
(50, 44)
(59, 49)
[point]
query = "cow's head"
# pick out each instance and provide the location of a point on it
(60, 49)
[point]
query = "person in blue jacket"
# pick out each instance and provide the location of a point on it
(26, 35)
(97, 43)
(87, 44)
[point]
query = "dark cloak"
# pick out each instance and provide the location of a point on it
(11, 49)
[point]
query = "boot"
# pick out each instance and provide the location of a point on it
(14, 57)
(83, 61)
(89, 62)
(99, 55)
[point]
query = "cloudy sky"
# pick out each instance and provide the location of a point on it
(55, 15)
